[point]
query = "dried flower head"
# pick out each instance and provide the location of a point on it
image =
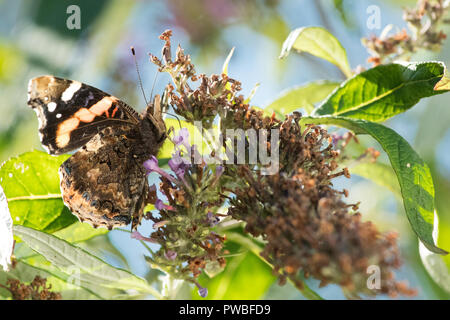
(36, 290)
(423, 21)
(305, 223)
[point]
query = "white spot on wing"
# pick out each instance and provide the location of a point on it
(51, 106)
(30, 85)
(41, 118)
(70, 91)
(58, 115)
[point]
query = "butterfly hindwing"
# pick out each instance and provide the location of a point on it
(70, 113)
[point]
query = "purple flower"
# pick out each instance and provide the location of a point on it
(179, 167)
(219, 171)
(170, 255)
(160, 205)
(336, 137)
(177, 164)
(203, 292)
(182, 139)
(136, 235)
(151, 165)
(213, 220)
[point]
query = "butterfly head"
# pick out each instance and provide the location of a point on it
(153, 123)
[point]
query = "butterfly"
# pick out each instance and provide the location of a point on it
(103, 183)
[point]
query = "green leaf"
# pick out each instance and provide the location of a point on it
(320, 43)
(31, 185)
(69, 277)
(91, 271)
(79, 231)
(412, 172)
(304, 96)
(384, 91)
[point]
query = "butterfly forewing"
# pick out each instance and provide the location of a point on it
(70, 113)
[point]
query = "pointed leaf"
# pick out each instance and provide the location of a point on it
(384, 91)
(320, 43)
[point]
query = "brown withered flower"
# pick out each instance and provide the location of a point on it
(36, 290)
(423, 21)
(307, 226)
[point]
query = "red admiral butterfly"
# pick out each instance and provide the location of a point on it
(104, 183)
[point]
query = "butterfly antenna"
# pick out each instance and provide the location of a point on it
(139, 75)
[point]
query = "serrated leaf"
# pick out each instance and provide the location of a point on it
(412, 172)
(320, 43)
(31, 185)
(384, 91)
(304, 96)
(90, 269)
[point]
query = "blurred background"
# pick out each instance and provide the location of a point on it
(35, 40)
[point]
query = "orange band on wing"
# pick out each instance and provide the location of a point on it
(64, 130)
(83, 115)
(102, 106)
(114, 111)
